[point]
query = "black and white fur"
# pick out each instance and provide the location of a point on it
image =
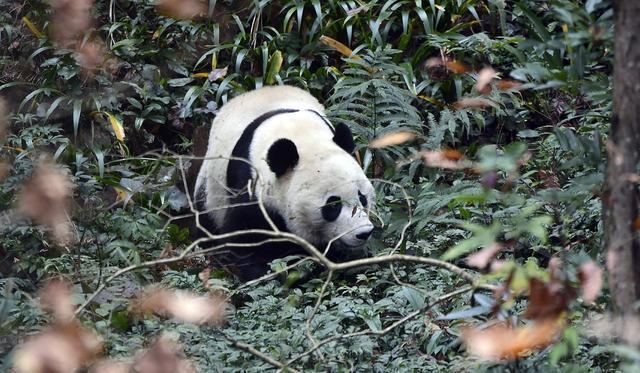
(299, 164)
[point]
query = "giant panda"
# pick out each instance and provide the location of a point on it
(276, 144)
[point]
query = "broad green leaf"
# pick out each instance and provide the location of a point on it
(482, 236)
(415, 298)
(275, 63)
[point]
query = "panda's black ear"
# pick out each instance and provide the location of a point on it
(344, 138)
(282, 156)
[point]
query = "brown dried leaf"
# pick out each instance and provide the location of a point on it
(473, 103)
(501, 341)
(590, 275)
(452, 154)
(184, 306)
(555, 271)
(549, 179)
(547, 300)
(636, 223)
(507, 85)
(91, 57)
(525, 158)
(55, 298)
(216, 74)
(439, 159)
(4, 170)
(61, 348)
(451, 65)
(483, 83)
(45, 199)
(482, 258)
(390, 139)
(597, 31)
(497, 265)
(70, 19)
(182, 9)
(204, 277)
(165, 356)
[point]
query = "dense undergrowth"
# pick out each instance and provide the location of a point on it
(533, 139)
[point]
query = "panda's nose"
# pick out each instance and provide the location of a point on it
(364, 235)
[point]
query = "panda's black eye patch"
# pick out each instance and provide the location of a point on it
(331, 209)
(363, 199)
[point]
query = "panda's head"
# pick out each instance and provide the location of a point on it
(321, 192)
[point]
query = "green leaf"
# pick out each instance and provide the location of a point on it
(538, 26)
(466, 314)
(179, 82)
(77, 109)
(275, 63)
(528, 134)
(415, 297)
(482, 236)
(373, 322)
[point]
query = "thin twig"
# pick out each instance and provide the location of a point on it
(315, 309)
(264, 357)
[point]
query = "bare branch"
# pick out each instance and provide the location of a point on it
(264, 357)
(315, 309)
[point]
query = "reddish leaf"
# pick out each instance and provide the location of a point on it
(55, 298)
(204, 276)
(590, 275)
(506, 85)
(451, 65)
(473, 103)
(501, 341)
(184, 306)
(483, 83)
(439, 159)
(61, 348)
(45, 199)
(70, 19)
(390, 139)
(4, 170)
(452, 154)
(549, 179)
(547, 300)
(182, 9)
(92, 57)
(165, 356)
(482, 258)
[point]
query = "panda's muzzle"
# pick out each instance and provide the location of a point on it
(364, 235)
(358, 236)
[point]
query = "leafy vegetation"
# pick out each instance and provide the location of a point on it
(507, 105)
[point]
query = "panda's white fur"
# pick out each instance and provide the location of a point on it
(297, 196)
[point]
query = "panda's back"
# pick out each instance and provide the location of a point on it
(227, 129)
